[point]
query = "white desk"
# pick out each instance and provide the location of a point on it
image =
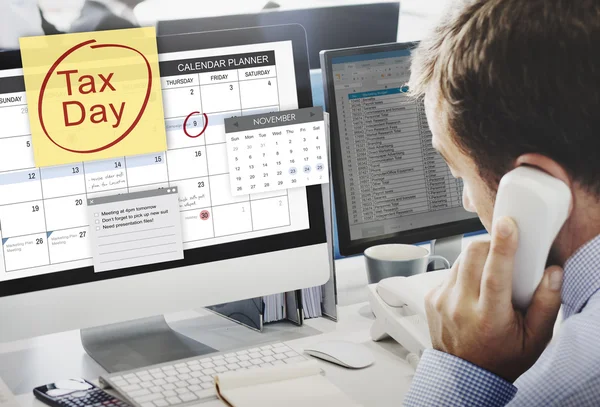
(33, 362)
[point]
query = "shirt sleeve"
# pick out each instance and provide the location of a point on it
(445, 380)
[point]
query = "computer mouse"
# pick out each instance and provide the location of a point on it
(342, 353)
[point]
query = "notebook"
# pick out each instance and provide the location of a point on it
(298, 385)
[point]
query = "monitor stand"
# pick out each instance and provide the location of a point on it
(447, 247)
(135, 344)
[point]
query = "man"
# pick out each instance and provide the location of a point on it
(100, 15)
(508, 83)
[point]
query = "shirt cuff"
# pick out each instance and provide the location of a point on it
(445, 380)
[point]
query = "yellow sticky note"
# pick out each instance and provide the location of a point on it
(93, 96)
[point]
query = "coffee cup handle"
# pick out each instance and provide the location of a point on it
(440, 258)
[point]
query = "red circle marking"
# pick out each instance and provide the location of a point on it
(204, 215)
(53, 68)
(203, 129)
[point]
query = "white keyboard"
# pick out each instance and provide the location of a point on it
(191, 381)
(7, 399)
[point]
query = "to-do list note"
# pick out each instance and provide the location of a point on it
(135, 229)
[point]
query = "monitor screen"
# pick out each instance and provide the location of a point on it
(394, 180)
(44, 228)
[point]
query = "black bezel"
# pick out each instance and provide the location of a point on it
(174, 43)
(347, 246)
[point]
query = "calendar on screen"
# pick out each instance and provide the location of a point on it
(275, 151)
(44, 225)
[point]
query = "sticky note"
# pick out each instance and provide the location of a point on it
(93, 96)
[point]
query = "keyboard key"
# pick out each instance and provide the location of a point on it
(116, 378)
(161, 403)
(172, 379)
(179, 365)
(159, 375)
(195, 387)
(208, 365)
(295, 359)
(218, 357)
(193, 362)
(207, 393)
(152, 371)
(174, 400)
(269, 359)
(130, 387)
(253, 350)
(278, 362)
(141, 373)
(159, 382)
(169, 393)
(291, 354)
(280, 356)
(188, 397)
(184, 376)
(244, 357)
(183, 370)
(193, 381)
(205, 360)
(207, 385)
(267, 353)
(207, 379)
(245, 363)
(149, 397)
(220, 362)
(256, 362)
(255, 355)
(266, 347)
(196, 368)
(280, 350)
(182, 391)
(129, 376)
(208, 372)
(134, 380)
(137, 393)
(197, 374)
(147, 385)
(232, 360)
(242, 352)
(169, 386)
(120, 383)
(221, 369)
(156, 389)
(180, 385)
(229, 355)
(278, 345)
(234, 366)
(171, 373)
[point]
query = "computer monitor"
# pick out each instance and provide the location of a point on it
(248, 247)
(326, 27)
(389, 183)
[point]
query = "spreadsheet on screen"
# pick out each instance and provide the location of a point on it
(394, 179)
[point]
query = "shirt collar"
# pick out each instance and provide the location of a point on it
(582, 277)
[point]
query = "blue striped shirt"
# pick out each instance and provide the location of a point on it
(566, 374)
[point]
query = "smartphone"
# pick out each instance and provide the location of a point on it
(76, 393)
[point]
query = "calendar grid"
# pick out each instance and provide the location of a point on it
(197, 166)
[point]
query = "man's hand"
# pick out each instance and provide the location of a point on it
(472, 317)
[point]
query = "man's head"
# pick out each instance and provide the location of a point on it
(514, 82)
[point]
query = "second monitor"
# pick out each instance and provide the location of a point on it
(390, 184)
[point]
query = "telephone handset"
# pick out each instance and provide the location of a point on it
(537, 202)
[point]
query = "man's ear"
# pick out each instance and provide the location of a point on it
(549, 166)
